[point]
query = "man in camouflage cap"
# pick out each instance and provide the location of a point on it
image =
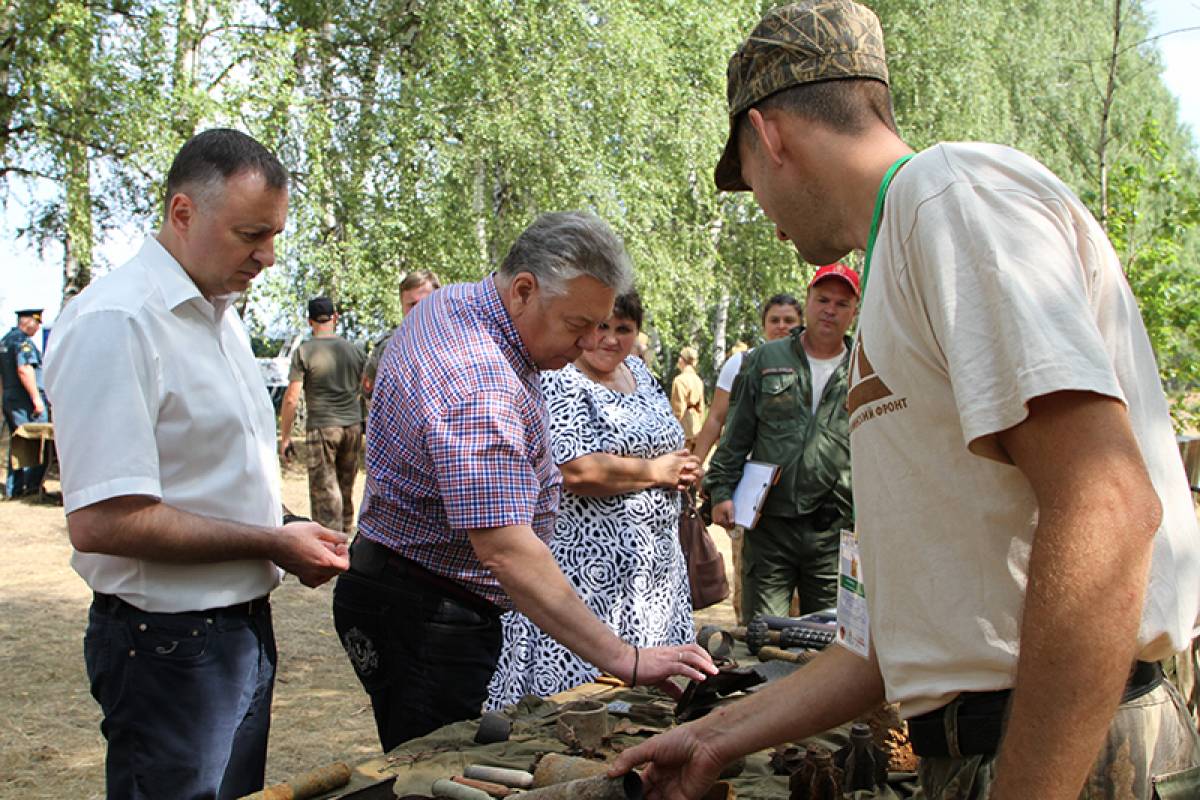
(1029, 550)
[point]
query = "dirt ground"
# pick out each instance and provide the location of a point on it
(50, 742)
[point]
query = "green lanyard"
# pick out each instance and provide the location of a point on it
(875, 218)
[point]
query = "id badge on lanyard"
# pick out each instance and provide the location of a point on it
(854, 628)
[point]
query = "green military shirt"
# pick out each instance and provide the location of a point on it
(331, 369)
(770, 419)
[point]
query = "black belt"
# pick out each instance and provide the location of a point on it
(972, 724)
(110, 603)
(370, 558)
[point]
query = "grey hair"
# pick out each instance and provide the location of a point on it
(563, 245)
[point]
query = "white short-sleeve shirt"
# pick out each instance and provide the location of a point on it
(156, 392)
(729, 371)
(990, 285)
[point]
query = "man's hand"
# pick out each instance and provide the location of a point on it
(312, 553)
(39, 408)
(656, 664)
(681, 764)
(286, 450)
(722, 514)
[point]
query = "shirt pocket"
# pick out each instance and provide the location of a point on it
(780, 396)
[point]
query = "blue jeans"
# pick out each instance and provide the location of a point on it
(26, 479)
(186, 698)
(423, 657)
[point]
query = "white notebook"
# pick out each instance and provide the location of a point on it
(757, 479)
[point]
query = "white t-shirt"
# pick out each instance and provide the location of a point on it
(729, 371)
(991, 284)
(156, 393)
(822, 370)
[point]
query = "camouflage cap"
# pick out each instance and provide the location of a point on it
(806, 42)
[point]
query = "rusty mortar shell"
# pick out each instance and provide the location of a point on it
(456, 791)
(556, 768)
(599, 787)
(494, 789)
(769, 653)
(512, 778)
(310, 784)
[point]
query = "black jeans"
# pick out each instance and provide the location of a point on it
(186, 698)
(424, 658)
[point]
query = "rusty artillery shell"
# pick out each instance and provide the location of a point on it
(456, 791)
(769, 653)
(494, 789)
(308, 785)
(556, 768)
(513, 778)
(599, 787)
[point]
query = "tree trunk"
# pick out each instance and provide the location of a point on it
(1106, 112)
(478, 211)
(77, 241)
(189, 18)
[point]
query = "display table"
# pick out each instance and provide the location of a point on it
(448, 751)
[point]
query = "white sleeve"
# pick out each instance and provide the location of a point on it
(1008, 296)
(729, 371)
(102, 381)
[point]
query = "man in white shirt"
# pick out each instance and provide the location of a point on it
(1029, 550)
(170, 483)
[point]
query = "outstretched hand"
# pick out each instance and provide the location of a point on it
(657, 664)
(681, 765)
(312, 553)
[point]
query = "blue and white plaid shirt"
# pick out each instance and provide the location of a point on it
(457, 437)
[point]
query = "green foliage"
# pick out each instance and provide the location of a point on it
(1155, 210)
(427, 134)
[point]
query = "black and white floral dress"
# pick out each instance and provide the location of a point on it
(620, 553)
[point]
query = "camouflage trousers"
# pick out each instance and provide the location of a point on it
(1152, 753)
(333, 455)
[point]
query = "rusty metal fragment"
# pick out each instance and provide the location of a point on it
(555, 768)
(600, 787)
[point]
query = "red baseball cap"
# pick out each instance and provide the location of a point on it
(840, 271)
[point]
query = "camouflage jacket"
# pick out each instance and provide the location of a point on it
(770, 419)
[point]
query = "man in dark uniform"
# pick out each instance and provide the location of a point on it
(24, 398)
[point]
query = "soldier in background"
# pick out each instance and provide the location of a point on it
(416, 286)
(24, 397)
(687, 396)
(329, 369)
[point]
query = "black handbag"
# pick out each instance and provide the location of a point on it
(705, 564)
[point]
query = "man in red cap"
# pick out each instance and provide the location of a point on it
(788, 408)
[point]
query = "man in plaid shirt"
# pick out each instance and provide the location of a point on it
(462, 489)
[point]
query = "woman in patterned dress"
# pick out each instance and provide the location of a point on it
(616, 538)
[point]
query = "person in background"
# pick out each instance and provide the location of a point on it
(687, 395)
(462, 488)
(789, 409)
(171, 485)
(328, 369)
(24, 399)
(416, 286)
(616, 537)
(1029, 547)
(780, 314)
